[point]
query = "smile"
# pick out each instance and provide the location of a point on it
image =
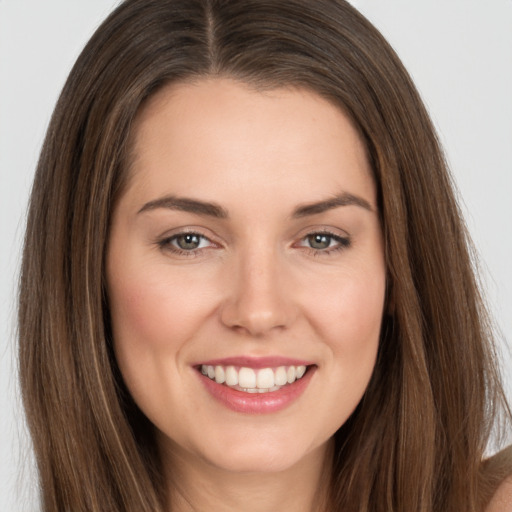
(249, 380)
(256, 385)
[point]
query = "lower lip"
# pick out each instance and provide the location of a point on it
(258, 403)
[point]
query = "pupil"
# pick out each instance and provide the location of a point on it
(188, 242)
(319, 241)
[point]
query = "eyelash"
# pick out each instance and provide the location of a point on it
(343, 243)
(166, 244)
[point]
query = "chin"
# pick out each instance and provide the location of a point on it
(256, 454)
(255, 461)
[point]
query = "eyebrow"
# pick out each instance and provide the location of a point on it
(185, 204)
(343, 199)
(198, 207)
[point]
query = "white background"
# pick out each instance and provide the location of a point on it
(459, 53)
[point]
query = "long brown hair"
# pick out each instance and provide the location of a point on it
(416, 441)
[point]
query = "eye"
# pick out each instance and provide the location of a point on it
(319, 241)
(324, 242)
(189, 241)
(187, 244)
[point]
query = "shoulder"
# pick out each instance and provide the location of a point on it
(498, 481)
(502, 498)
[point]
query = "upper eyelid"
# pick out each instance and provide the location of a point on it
(168, 238)
(193, 230)
(335, 236)
(173, 237)
(324, 230)
(342, 240)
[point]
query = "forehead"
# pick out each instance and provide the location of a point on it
(197, 136)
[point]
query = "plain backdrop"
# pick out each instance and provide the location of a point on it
(459, 52)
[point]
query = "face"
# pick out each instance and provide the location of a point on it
(245, 272)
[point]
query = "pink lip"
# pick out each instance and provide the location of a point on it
(256, 362)
(257, 403)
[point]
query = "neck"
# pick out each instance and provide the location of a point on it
(196, 485)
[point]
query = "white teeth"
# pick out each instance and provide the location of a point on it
(231, 376)
(281, 377)
(249, 380)
(220, 375)
(265, 378)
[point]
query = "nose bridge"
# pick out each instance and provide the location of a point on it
(258, 299)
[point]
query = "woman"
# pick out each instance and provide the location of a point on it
(244, 267)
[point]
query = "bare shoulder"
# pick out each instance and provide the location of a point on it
(498, 475)
(502, 498)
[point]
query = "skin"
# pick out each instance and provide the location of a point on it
(256, 286)
(502, 499)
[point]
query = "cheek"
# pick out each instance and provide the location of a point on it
(154, 314)
(347, 317)
(349, 309)
(360, 310)
(348, 321)
(156, 309)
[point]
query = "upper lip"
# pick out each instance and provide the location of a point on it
(256, 362)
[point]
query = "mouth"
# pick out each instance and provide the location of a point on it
(256, 386)
(254, 380)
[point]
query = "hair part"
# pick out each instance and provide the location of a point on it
(435, 391)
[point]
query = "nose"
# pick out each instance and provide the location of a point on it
(259, 299)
